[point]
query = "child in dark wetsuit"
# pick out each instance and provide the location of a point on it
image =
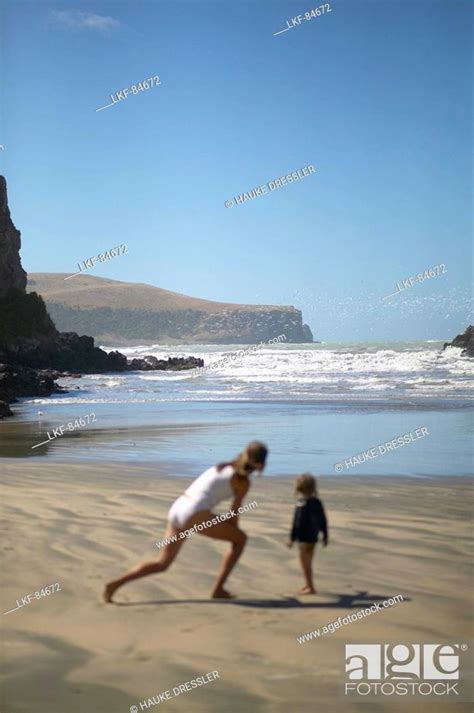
(308, 521)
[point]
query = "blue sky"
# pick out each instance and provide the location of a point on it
(376, 95)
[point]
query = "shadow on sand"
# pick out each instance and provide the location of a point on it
(358, 600)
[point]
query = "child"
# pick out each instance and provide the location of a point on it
(309, 519)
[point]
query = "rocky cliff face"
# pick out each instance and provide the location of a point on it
(124, 313)
(123, 326)
(23, 317)
(12, 274)
(242, 326)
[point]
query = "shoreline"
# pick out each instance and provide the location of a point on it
(164, 470)
(190, 435)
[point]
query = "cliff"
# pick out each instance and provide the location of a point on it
(24, 320)
(12, 274)
(32, 351)
(121, 313)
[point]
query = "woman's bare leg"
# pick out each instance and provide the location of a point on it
(227, 565)
(221, 531)
(167, 556)
(306, 559)
(230, 533)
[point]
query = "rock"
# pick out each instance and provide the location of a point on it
(183, 363)
(22, 381)
(464, 341)
(5, 409)
(75, 353)
(146, 363)
(307, 334)
(151, 363)
(12, 274)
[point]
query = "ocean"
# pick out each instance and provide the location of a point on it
(315, 406)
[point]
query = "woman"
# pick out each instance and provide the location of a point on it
(195, 507)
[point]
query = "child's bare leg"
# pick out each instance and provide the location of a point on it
(167, 556)
(306, 559)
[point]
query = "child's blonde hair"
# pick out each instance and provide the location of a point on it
(306, 485)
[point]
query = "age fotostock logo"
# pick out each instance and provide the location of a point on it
(402, 669)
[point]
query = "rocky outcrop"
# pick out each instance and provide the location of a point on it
(12, 274)
(16, 381)
(72, 353)
(464, 341)
(19, 380)
(151, 363)
(67, 351)
(5, 409)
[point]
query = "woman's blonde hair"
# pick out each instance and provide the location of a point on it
(306, 484)
(253, 457)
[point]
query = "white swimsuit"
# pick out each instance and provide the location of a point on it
(204, 493)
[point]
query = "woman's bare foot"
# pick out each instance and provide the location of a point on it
(307, 590)
(109, 591)
(222, 594)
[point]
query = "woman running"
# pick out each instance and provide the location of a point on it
(195, 506)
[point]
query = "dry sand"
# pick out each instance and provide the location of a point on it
(80, 524)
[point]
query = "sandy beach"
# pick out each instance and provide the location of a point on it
(78, 525)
